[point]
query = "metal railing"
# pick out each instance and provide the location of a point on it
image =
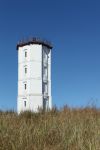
(45, 63)
(46, 95)
(45, 78)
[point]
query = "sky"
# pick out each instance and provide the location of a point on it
(73, 27)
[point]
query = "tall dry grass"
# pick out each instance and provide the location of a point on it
(66, 129)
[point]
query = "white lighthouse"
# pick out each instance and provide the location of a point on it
(34, 75)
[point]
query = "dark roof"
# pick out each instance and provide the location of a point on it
(34, 41)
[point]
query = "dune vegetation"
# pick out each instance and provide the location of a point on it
(64, 129)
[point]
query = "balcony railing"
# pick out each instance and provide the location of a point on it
(46, 95)
(45, 63)
(45, 79)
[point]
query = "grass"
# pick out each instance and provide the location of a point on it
(65, 129)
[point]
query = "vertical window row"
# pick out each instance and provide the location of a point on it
(25, 70)
(25, 53)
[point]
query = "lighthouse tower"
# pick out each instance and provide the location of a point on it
(34, 75)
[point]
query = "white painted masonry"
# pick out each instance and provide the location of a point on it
(34, 76)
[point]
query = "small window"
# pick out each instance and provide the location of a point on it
(25, 103)
(25, 54)
(25, 70)
(25, 86)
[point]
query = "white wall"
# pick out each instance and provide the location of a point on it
(33, 78)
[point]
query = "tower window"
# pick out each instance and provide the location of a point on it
(25, 103)
(25, 70)
(25, 86)
(25, 54)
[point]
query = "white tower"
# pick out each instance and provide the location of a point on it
(34, 75)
